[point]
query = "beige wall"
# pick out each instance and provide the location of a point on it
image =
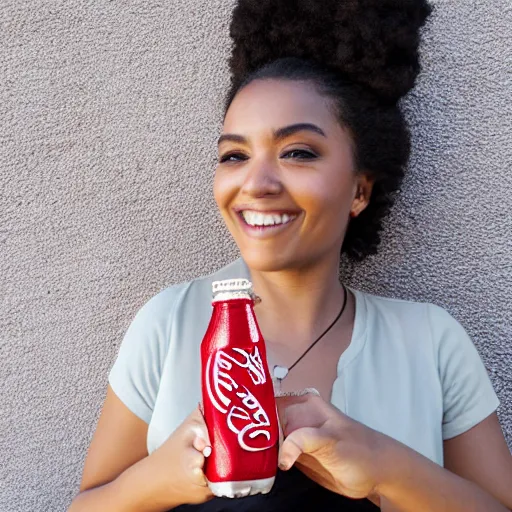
(109, 116)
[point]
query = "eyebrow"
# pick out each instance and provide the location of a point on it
(279, 134)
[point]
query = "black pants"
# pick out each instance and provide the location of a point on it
(292, 491)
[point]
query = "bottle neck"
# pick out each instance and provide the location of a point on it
(235, 295)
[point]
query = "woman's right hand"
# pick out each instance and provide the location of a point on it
(176, 467)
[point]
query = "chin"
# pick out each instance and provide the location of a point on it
(268, 261)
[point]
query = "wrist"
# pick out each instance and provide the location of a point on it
(393, 461)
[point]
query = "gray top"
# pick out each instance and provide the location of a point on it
(411, 371)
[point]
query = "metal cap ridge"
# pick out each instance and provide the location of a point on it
(226, 289)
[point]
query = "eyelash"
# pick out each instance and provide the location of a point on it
(303, 151)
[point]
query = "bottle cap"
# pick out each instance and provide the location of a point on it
(232, 289)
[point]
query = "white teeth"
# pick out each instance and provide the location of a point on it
(261, 219)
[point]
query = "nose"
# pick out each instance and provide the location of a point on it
(261, 179)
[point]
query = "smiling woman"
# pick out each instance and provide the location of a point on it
(312, 152)
(273, 162)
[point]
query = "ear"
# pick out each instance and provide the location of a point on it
(362, 192)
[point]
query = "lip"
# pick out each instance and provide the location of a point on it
(262, 232)
(277, 211)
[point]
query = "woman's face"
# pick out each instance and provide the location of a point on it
(285, 193)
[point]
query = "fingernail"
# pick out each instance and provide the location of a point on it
(207, 451)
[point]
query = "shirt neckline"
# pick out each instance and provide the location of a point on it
(358, 338)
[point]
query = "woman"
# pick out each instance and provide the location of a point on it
(312, 150)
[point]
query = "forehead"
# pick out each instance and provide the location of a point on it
(269, 104)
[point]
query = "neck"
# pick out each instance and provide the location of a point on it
(308, 298)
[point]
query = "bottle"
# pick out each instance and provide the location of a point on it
(238, 396)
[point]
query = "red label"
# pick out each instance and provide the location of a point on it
(232, 378)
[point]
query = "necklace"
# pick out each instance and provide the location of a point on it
(280, 372)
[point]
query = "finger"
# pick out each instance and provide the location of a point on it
(201, 445)
(288, 407)
(199, 432)
(284, 400)
(303, 440)
(300, 411)
(305, 397)
(200, 479)
(194, 459)
(195, 463)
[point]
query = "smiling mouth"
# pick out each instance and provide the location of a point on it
(264, 220)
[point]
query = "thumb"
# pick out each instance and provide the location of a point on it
(302, 440)
(201, 439)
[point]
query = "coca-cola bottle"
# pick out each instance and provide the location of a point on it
(238, 396)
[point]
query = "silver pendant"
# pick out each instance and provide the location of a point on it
(278, 374)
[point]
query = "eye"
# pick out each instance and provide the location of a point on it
(306, 155)
(228, 156)
(300, 154)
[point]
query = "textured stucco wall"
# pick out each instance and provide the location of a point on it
(109, 112)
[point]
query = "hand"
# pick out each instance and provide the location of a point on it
(177, 465)
(335, 451)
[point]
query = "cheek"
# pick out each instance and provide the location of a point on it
(221, 190)
(322, 198)
(327, 206)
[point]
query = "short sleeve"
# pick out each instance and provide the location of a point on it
(468, 395)
(135, 375)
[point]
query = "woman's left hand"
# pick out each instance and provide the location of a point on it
(332, 449)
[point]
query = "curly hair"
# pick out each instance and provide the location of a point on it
(363, 55)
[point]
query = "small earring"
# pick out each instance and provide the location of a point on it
(353, 214)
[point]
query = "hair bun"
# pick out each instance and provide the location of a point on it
(372, 42)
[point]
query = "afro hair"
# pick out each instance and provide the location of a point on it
(363, 54)
(372, 42)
